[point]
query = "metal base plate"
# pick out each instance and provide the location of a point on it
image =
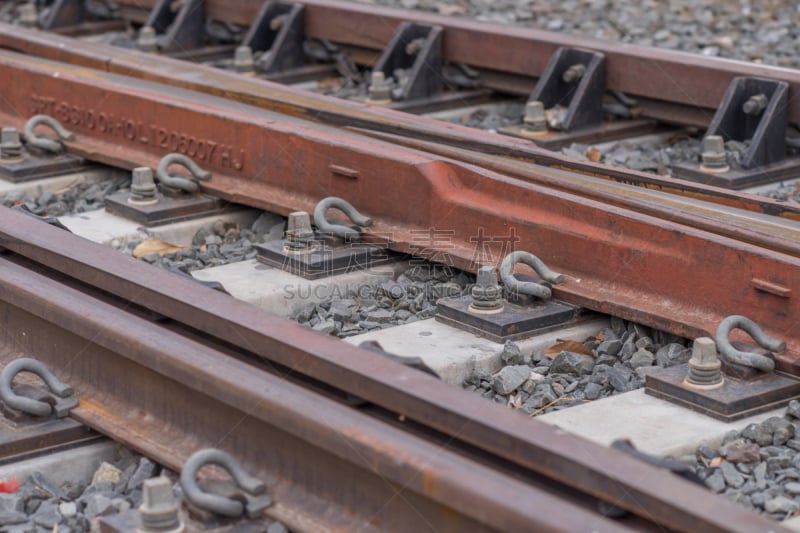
(735, 400)
(21, 433)
(444, 100)
(607, 131)
(514, 322)
(740, 178)
(34, 167)
(17, 439)
(327, 258)
(167, 209)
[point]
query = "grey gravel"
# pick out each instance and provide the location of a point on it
(510, 378)
(511, 354)
(409, 298)
(277, 527)
(572, 378)
(739, 451)
(47, 515)
(12, 517)
(221, 243)
(572, 363)
(72, 199)
(38, 503)
(759, 470)
(716, 481)
(761, 31)
(793, 409)
(672, 354)
(145, 469)
(642, 358)
(68, 509)
(781, 504)
(733, 478)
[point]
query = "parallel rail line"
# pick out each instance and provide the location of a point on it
(336, 112)
(166, 389)
(146, 351)
(285, 164)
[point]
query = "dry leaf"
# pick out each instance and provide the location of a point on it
(156, 246)
(566, 346)
(330, 84)
(715, 462)
(593, 154)
(450, 10)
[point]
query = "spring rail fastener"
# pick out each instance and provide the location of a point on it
(253, 490)
(337, 228)
(47, 144)
(749, 359)
(181, 182)
(63, 393)
(516, 286)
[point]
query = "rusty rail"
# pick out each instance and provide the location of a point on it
(338, 112)
(654, 271)
(167, 390)
(669, 80)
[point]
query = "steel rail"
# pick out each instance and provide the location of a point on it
(327, 465)
(337, 112)
(654, 271)
(143, 383)
(774, 233)
(663, 76)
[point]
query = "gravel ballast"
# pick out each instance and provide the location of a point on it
(757, 467)
(78, 197)
(621, 356)
(762, 31)
(411, 297)
(41, 505)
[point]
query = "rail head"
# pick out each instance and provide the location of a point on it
(539, 449)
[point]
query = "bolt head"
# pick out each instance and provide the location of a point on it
(27, 15)
(535, 119)
(157, 492)
(243, 59)
(714, 157)
(277, 23)
(487, 276)
(298, 230)
(299, 222)
(380, 90)
(534, 110)
(10, 137)
(377, 78)
(704, 353)
(487, 293)
(142, 177)
(159, 509)
(713, 144)
(147, 41)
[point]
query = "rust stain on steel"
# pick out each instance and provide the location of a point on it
(168, 395)
(654, 271)
(319, 108)
(637, 70)
(144, 383)
(773, 234)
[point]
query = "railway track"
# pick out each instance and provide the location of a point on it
(347, 436)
